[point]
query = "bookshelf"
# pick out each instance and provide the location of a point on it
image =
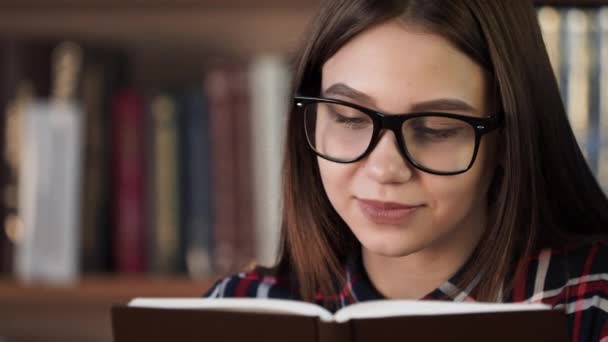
(154, 30)
(80, 312)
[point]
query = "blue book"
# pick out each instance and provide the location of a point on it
(195, 184)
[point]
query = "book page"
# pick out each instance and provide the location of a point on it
(391, 308)
(276, 306)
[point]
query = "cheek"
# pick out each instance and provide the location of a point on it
(336, 180)
(454, 197)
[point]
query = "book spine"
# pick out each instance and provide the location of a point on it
(9, 122)
(195, 183)
(26, 74)
(128, 182)
(269, 86)
(223, 154)
(593, 131)
(51, 172)
(577, 61)
(166, 225)
(94, 178)
(243, 162)
(602, 174)
(550, 23)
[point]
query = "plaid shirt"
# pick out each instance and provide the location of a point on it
(573, 279)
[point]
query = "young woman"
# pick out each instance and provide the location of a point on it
(429, 157)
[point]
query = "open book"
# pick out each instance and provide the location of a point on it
(238, 319)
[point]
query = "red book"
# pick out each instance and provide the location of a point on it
(245, 240)
(229, 118)
(223, 171)
(128, 164)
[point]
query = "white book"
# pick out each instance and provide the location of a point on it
(550, 24)
(577, 63)
(368, 309)
(269, 92)
(602, 173)
(49, 192)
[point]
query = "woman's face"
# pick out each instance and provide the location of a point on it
(395, 68)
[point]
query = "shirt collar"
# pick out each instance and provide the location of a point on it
(361, 288)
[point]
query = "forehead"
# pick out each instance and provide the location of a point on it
(397, 65)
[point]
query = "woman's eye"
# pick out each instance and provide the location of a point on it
(434, 133)
(352, 122)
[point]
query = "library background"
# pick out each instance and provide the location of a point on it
(111, 187)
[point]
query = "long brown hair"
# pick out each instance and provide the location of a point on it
(543, 191)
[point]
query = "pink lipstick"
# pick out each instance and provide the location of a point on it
(386, 212)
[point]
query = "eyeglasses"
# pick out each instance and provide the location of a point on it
(434, 142)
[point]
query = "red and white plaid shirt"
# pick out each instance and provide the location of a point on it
(574, 279)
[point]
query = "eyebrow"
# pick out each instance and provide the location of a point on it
(447, 104)
(342, 89)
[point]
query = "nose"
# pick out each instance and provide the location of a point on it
(385, 164)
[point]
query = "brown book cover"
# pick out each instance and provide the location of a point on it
(145, 323)
(102, 74)
(128, 190)
(245, 241)
(223, 171)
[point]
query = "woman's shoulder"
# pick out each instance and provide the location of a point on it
(580, 262)
(572, 278)
(256, 283)
(568, 271)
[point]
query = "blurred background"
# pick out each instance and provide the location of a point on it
(141, 144)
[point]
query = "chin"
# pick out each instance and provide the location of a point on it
(389, 248)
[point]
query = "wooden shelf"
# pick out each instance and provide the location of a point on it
(80, 312)
(229, 30)
(233, 27)
(147, 4)
(573, 3)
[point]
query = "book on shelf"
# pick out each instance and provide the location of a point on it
(26, 70)
(269, 87)
(103, 72)
(550, 22)
(224, 86)
(128, 182)
(50, 174)
(576, 64)
(164, 228)
(195, 183)
(602, 49)
(238, 319)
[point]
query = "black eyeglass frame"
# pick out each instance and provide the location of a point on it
(394, 122)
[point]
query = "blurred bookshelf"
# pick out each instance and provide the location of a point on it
(165, 42)
(81, 312)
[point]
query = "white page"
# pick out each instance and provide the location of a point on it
(391, 308)
(280, 306)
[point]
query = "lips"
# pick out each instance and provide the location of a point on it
(387, 212)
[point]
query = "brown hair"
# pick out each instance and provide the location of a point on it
(544, 191)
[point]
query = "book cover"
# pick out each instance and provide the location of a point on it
(602, 173)
(50, 174)
(102, 73)
(26, 70)
(128, 180)
(223, 172)
(551, 25)
(235, 319)
(241, 108)
(195, 183)
(165, 237)
(576, 74)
